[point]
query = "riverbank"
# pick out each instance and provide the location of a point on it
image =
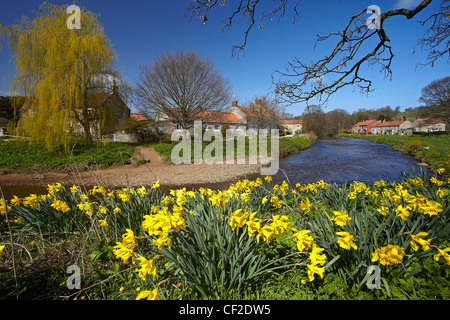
(432, 151)
(145, 167)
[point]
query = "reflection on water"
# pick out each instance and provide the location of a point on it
(333, 160)
(345, 160)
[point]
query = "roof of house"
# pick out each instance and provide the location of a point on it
(292, 121)
(219, 117)
(429, 121)
(394, 123)
(212, 117)
(365, 123)
(248, 111)
(137, 117)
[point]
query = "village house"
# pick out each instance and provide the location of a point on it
(396, 127)
(364, 127)
(138, 117)
(256, 116)
(111, 109)
(429, 125)
(292, 125)
(3, 126)
(237, 118)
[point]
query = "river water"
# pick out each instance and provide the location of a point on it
(343, 160)
(333, 160)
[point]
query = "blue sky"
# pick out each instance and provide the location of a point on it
(141, 30)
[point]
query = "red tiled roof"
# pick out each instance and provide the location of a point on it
(219, 117)
(213, 117)
(364, 123)
(430, 121)
(248, 112)
(137, 117)
(292, 121)
(389, 123)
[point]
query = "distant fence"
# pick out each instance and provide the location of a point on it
(122, 137)
(7, 136)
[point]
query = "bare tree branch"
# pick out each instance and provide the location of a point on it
(246, 8)
(437, 38)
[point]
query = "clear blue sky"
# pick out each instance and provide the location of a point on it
(141, 30)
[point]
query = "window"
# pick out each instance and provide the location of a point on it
(237, 127)
(179, 128)
(161, 130)
(217, 127)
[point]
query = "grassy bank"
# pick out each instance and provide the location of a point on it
(287, 145)
(434, 150)
(22, 155)
(254, 240)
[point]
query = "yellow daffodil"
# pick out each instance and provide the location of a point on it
(416, 239)
(148, 295)
(303, 240)
(341, 218)
(15, 201)
(266, 233)
(402, 212)
(314, 269)
(305, 205)
(146, 267)
(253, 224)
(346, 240)
(60, 206)
(315, 257)
(74, 189)
(389, 254)
(443, 253)
(155, 185)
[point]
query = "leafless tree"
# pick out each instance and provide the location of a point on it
(356, 46)
(437, 37)
(436, 97)
(181, 85)
(265, 112)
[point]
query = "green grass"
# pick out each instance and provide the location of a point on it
(434, 150)
(286, 146)
(210, 260)
(23, 155)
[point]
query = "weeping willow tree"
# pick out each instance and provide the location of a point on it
(59, 70)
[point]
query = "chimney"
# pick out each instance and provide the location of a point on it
(234, 103)
(113, 89)
(258, 102)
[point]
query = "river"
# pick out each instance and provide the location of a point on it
(333, 160)
(342, 160)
